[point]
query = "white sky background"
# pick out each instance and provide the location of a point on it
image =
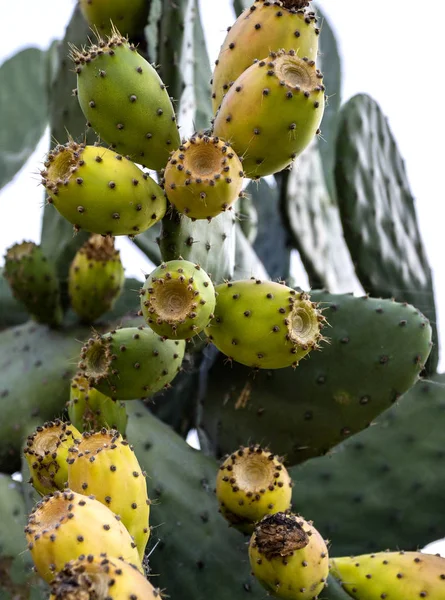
(386, 53)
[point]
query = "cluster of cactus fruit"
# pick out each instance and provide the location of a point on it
(118, 506)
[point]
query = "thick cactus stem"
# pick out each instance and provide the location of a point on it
(128, 17)
(252, 483)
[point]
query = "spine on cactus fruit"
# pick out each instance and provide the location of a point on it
(130, 363)
(96, 278)
(289, 557)
(46, 452)
(125, 101)
(263, 27)
(129, 17)
(66, 525)
(33, 281)
(203, 177)
(100, 191)
(105, 465)
(272, 112)
(178, 299)
(252, 483)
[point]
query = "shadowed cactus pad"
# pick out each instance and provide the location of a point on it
(100, 191)
(128, 16)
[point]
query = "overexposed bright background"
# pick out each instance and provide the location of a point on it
(386, 53)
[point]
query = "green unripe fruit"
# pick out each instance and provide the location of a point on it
(34, 282)
(261, 28)
(252, 483)
(126, 102)
(178, 299)
(272, 112)
(203, 178)
(129, 16)
(100, 191)
(89, 410)
(96, 278)
(130, 363)
(263, 324)
(289, 557)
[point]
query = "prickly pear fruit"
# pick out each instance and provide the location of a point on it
(94, 577)
(100, 191)
(289, 557)
(96, 278)
(203, 178)
(67, 525)
(128, 16)
(263, 27)
(178, 299)
(90, 410)
(126, 102)
(263, 324)
(46, 452)
(272, 112)
(130, 363)
(105, 465)
(407, 575)
(33, 282)
(252, 483)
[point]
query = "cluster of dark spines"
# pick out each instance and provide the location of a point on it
(178, 300)
(129, 16)
(264, 26)
(264, 324)
(96, 278)
(130, 363)
(33, 281)
(203, 178)
(289, 557)
(46, 452)
(65, 526)
(89, 410)
(100, 191)
(252, 483)
(272, 112)
(126, 102)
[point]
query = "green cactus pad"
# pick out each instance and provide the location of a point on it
(178, 300)
(272, 112)
(34, 282)
(100, 191)
(128, 16)
(263, 27)
(264, 324)
(203, 177)
(375, 352)
(127, 104)
(129, 363)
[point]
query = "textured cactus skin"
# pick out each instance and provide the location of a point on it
(408, 575)
(289, 557)
(264, 324)
(262, 28)
(269, 124)
(144, 363)
(178, 299)
(34, 282)
(128, 104)
(100, 191)
(104, 464)
(128, 17)
(85, 526)
(96, 278)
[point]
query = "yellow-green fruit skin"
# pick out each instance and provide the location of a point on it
(126, 103)
(262, 28)
(263, 324)
(266, 119)
(67, 525)
(178, 299)
(292, 574)
(99, 191)
(203, 178)
(105, 465)
(391, 575)
(129, 16)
